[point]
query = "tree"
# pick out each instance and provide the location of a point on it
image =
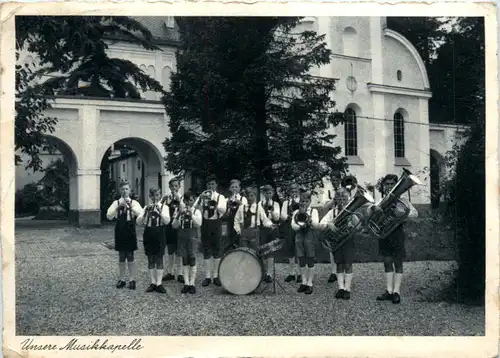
(243, 102)
(72, 50)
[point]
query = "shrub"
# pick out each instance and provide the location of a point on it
(28, 200)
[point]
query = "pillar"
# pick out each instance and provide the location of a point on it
(73, 198)
(423, 192)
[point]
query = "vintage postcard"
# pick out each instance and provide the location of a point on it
(208, 179)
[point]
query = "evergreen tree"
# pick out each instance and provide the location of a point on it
(72, 50)
(243, 102)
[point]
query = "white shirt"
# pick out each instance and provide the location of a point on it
(258, 216)
(113, 209)
(164, 215)
(273, 215)
(221, 206)
(284, 207)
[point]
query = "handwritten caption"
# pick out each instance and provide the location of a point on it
(77, 345)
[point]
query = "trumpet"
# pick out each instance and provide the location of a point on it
(344, 224)
(232, 203)
(384, 221)
(269, 207)
(302, 219)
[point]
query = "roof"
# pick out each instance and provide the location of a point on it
(161, 33)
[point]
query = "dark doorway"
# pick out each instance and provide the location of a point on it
(435, 181)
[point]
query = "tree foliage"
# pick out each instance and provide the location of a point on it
(243, 102)
(72, 60)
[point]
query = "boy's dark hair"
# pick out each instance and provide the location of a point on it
(390, 177)
(124, 182)
(211, 178)
(188, 195)
(153, 191)
(173, 180)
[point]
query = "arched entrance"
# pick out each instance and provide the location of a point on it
(136, 160)
(60, 177)
(436, 167)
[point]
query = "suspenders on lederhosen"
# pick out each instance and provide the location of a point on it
(155, 218)
(187, 222)
(247, 217)
(211, 212)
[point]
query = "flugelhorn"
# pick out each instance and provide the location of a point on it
(344, 222)
(302, 219)
(383, 221)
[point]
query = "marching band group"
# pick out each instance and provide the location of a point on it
(173, 224)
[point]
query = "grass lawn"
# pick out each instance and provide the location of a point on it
(65, 281)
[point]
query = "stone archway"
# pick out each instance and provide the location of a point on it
(71, 160)
(436, 173)
(135, 159)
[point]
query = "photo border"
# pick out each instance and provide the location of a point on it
(485, 346)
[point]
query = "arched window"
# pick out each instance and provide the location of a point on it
(165, 77)
(351, 133)
(399, 75)
(399, 135)
(350, 41)
(123, 167)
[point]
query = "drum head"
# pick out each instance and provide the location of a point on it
(240, 271)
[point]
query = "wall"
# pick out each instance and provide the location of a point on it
(404, 61)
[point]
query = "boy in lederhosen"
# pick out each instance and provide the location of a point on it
(344, 256)
(187, 223)
(233, 203)
(213, 206)
(248, 219)
(154, 216)
(125, 210)
(335, 179)
(173, 201)
(271, 210)
(288, 235)
(392, 248)
(305, 241)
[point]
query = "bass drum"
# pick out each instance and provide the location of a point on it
(241, 271)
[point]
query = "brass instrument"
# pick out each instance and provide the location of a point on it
(294, 205)
(384, 221)
(302, 219)
(269, 207)
(232, 203)
(349, 182)
(343, 222)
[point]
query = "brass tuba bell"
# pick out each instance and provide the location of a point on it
(334, 240)
(384, 221)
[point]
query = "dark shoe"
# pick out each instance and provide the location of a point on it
(308, 290)
(206, 282)
(340, 294)
(301, 288)
(386, 296)
(332, 278)
(299, 279)
(217, 281)
(168, 277)
(268, 279)
(185, 289)
(347, 295)
(180, 279)
(151, 288)
(192, 290)
(290, 278)
(160, 289)
(131, 285)
(396, 299)
(120, 284)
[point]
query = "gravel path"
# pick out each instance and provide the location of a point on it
(65, 286)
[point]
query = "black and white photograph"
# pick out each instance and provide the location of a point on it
(258, 175)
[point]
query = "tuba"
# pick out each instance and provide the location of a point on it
(384, 221)
(334, 240)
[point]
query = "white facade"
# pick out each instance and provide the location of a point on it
(379, 74)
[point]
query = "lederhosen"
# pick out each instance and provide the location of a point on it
(305, 240)
(394, 244)
(125, 234)
(170, 232)
(211, 231)
(249, 235)
(232, 235)
(154, 237)
(186, 234)
(267, 234)
(288, 235)
(344, 255)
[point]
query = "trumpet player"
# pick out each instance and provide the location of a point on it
(125, 210)
(173, 202)
(233, 203)
(335, 179)
(392, 248)
(345, 255)
(287, 209)
(305, 243)
(154, 216)
(187, 222)
(271, 210)
(213, 206)
(248, 219)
